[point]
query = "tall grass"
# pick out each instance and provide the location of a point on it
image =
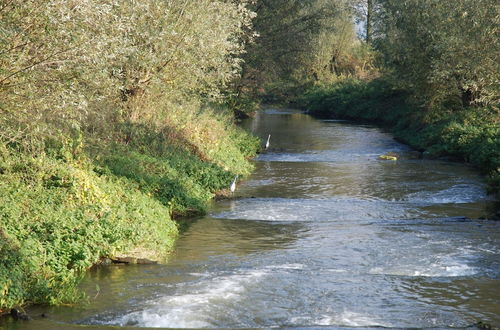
(63, 210)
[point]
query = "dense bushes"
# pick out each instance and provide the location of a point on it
(60, 212)
(59, 217)
(179, 180)
(470, 134)
(352, 98)
(112, 118)
(68, 65)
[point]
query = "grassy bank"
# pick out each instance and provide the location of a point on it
(469, 134)
(64, 209)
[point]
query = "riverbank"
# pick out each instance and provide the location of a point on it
(471, 135)
(80, 201)
(111, 124)
(322, 213)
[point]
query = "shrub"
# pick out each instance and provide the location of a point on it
(58, 218)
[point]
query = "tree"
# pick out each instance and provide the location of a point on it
(365, 12)
(443, 51)
(81, 65)
(300, 42)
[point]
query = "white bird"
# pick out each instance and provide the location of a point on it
(267, 143)
(233, 184)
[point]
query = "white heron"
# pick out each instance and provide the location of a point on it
(233, 184)
(267, 143)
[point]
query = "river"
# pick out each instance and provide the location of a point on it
(323, 234)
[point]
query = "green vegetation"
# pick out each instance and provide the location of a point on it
(61, 214)
(114, 117)
(427, 70)
(117, 114)
(446, 53)
(301, 43)
(58, 218)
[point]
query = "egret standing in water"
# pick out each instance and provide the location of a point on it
(233, 184)
(267, 143)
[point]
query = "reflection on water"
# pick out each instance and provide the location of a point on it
(213, 237)
(323, 234)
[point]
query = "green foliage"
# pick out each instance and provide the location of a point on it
(90, 65)
(247, 143)
(243, 105)
(471, 135)
(444, 51)
(61, 211)
(178, 180)
(138, 81)
(357, 99)
(300, 43)
(58, 218)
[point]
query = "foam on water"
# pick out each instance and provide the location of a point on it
(353, 319)
(457, 194)
(287, 266)
(191, 309)
(342, 319)
(432, 270)
(281, 209)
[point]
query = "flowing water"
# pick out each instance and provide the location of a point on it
(322, 235)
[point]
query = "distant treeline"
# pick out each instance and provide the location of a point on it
(445, 52)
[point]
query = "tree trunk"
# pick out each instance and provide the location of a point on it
(369, 17)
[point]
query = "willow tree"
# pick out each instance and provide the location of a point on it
(444, 51)
(74, 65)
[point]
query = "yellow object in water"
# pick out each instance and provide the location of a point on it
(387, 157)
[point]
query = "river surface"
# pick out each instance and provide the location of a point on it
(323, 234)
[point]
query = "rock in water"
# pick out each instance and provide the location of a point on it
(18, 315)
